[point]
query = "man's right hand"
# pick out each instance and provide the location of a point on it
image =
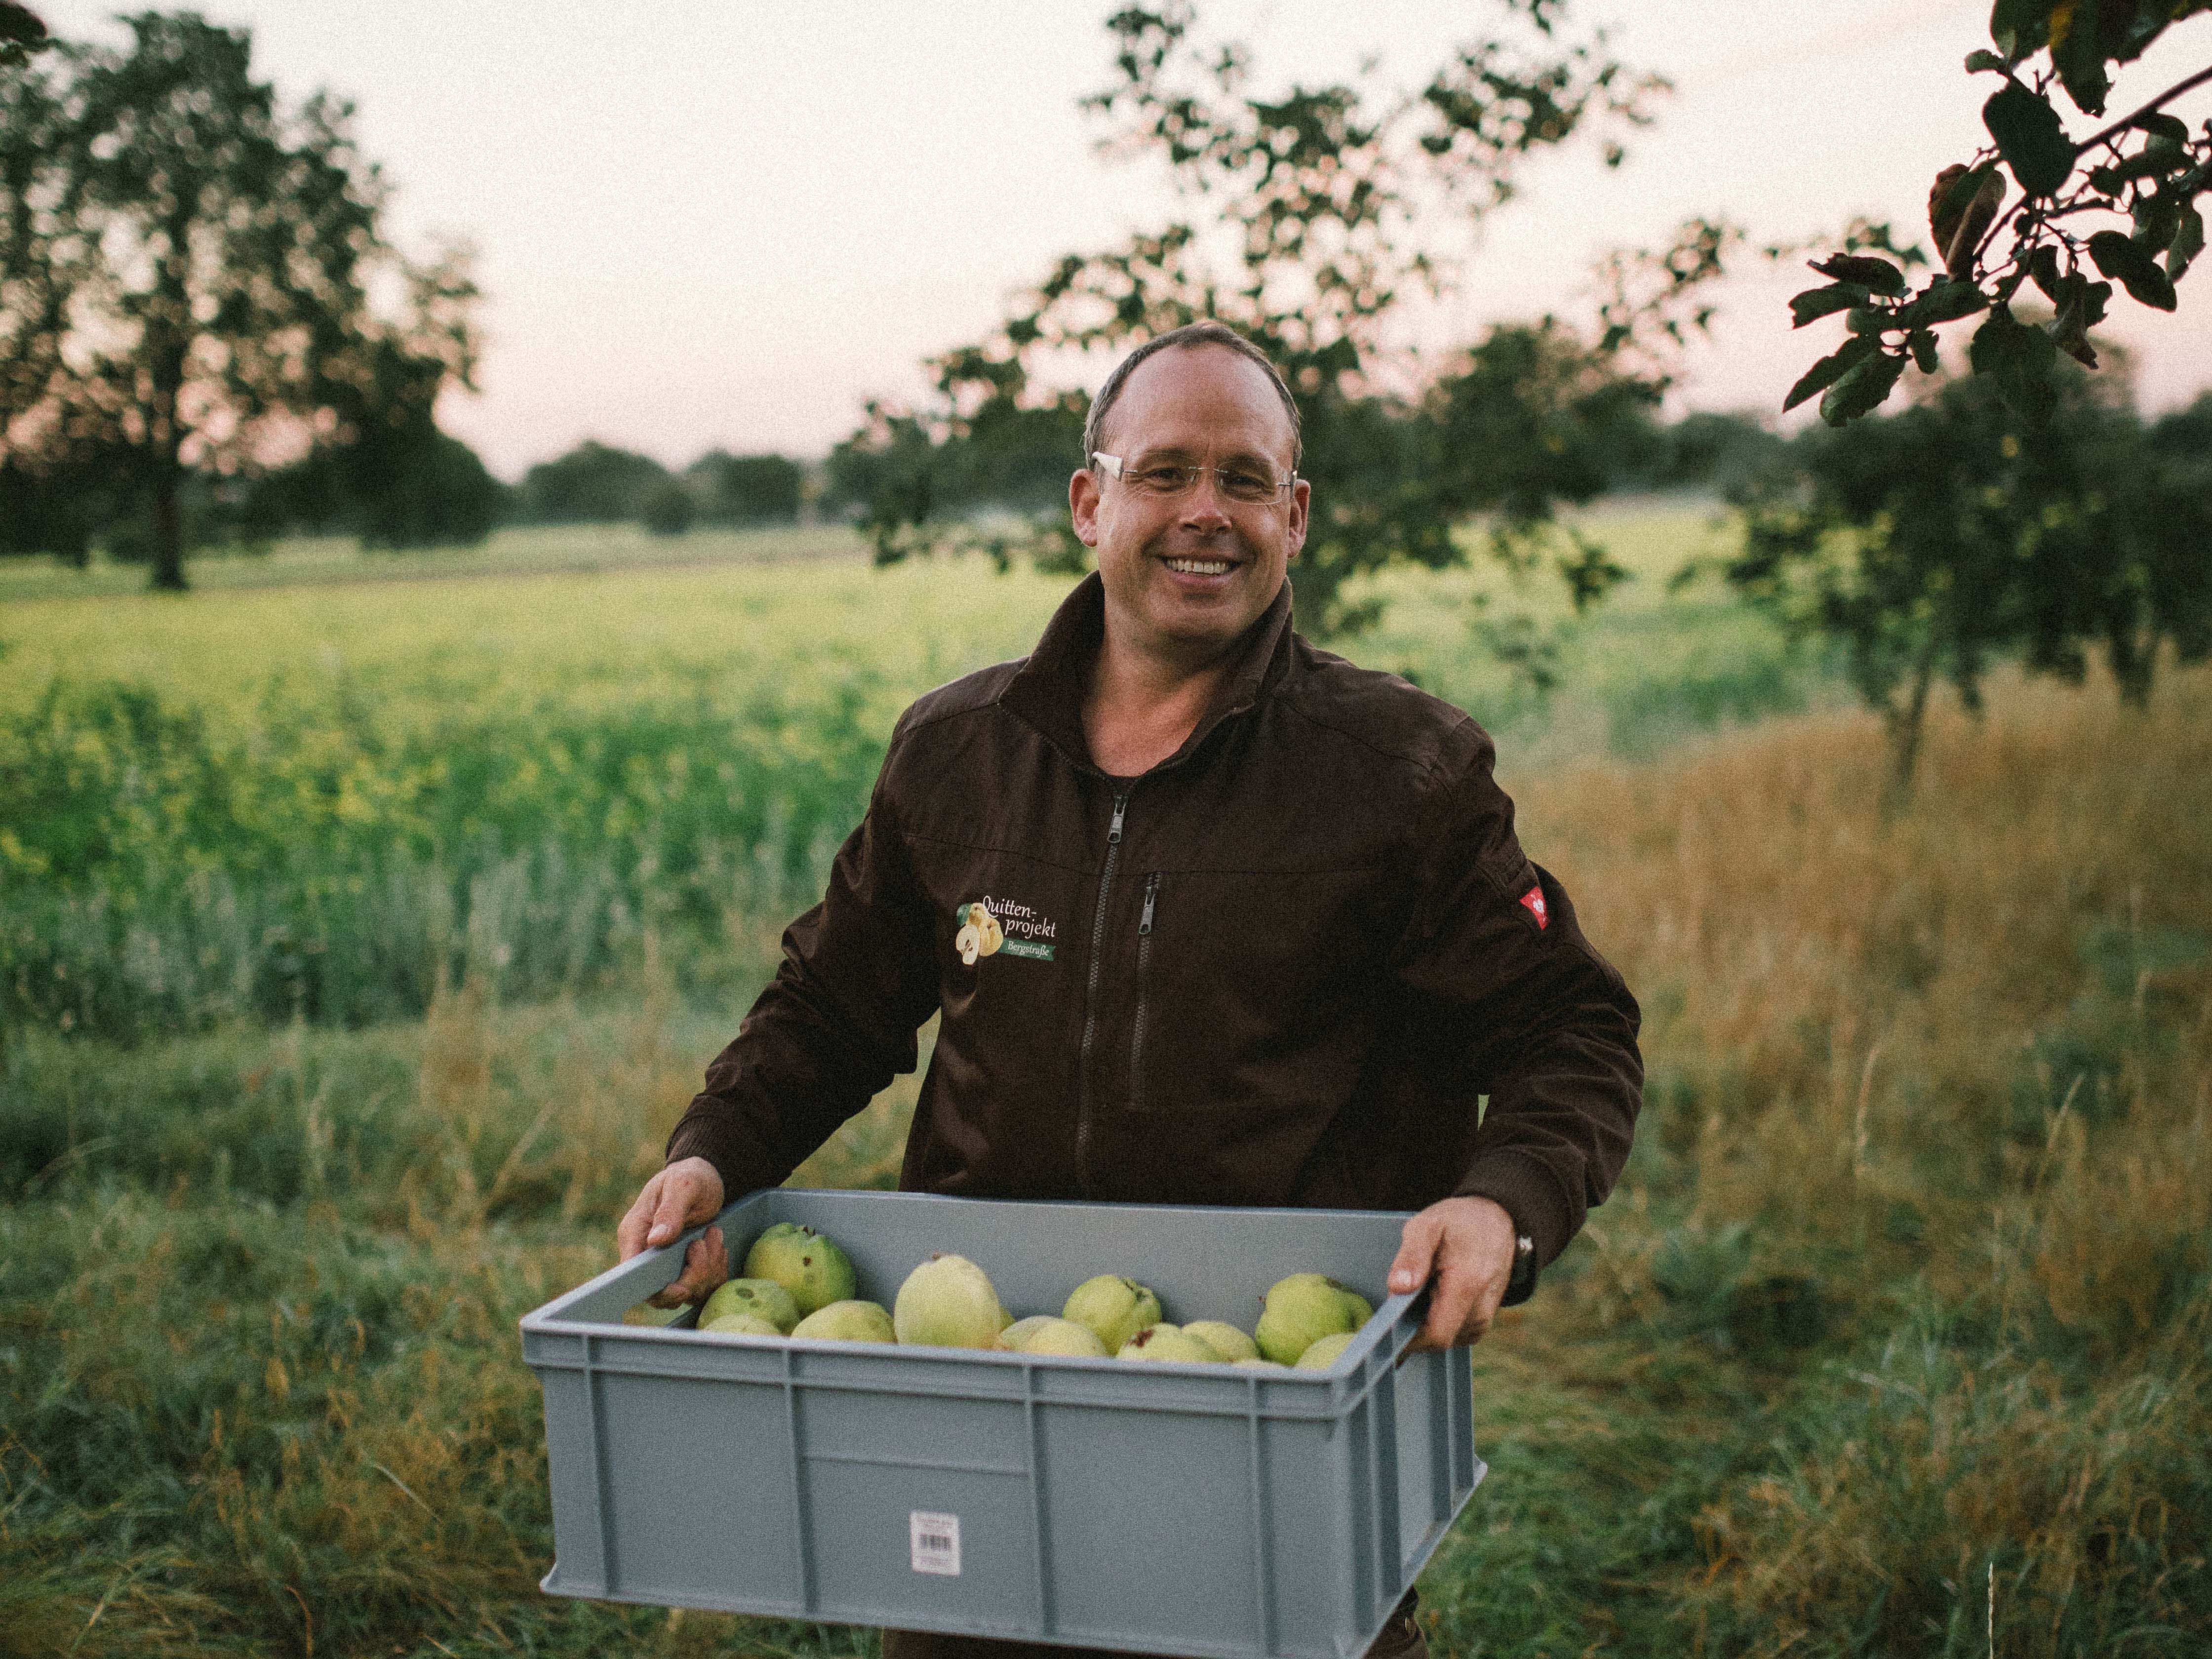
(685, 1193)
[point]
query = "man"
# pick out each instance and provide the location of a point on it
(1210, 917)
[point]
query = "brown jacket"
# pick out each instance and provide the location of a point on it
(1281, 968)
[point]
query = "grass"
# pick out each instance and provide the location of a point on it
(1649, 666)
(329, 798)
(537, 549)
(623, 619)
(1893, 1339)
(1906, 1292)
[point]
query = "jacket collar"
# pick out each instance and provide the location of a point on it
(1047, 690)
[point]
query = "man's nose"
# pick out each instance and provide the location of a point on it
(1202, 506)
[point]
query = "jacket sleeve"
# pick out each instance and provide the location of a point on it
(1538, 1020)
(858, 978)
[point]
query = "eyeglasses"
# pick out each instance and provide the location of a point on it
(1240, 481)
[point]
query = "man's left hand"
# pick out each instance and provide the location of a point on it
(1467, 1244)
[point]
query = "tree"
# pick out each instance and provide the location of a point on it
(439, 494)
(1939, 540)
(667, 509)
(592, 483)
(404, 484)
(54, 471)
(1723, 451)
(2185, 435)
(1317, 213)
(2063, 232)
(207, 259)
(747, 488)
(51, 505)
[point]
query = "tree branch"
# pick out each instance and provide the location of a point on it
(2151, 108)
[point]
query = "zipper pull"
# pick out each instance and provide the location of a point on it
(1114, 829)
(1151, 891)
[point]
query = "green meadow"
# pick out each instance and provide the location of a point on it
(366, 919)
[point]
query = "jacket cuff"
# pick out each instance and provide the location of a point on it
(740, 1165)
(1529, 1192)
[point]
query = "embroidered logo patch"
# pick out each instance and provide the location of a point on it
(988, 925)
(1533, 901)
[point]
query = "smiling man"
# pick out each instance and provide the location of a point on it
(1210, 917)
(1194, 527)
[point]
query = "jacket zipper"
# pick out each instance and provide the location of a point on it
(1090, 997)
(1143, 962)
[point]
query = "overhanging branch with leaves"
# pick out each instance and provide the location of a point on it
(2062, 233)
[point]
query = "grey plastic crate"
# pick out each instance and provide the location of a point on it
(1198, 1510)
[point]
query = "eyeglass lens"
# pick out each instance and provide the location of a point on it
(1242, 484)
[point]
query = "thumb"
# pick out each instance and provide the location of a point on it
(1417, 1255)
(669, 1213)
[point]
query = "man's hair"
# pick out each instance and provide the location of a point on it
(1190, 335)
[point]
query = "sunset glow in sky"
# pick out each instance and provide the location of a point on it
(705, 223)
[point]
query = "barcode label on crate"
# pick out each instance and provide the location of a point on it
(936, 1542)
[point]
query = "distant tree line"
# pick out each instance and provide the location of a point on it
(437, 493)
(598, 483)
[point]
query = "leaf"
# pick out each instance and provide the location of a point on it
(1876, 275)
(1922, 344)
(1961, 203)
(1869, 320)
(1829, 370)
(2031, 137)
(1815, 303)
(2163, 131)
(2019, 358)
(20, 29)
(1980, 61)
(2121, 258)
(2075, 346)
(2158, 222)
(2095, 297)
(1945, 301)
(2081, 306)
(2043, 265)
(2020, 27)
(2188, 243)
(1861, 388)
(2077, 53)
(1947, 200)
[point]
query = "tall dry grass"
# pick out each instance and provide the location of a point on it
(1925, 1178)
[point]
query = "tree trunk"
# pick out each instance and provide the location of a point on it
(169, 549)
(169, 331)
(1904, 730)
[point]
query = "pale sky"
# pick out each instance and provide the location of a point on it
(706, 223)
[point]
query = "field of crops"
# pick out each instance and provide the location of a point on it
(331, 797)
(363, 937)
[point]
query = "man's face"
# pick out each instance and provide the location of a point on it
(1186, 574)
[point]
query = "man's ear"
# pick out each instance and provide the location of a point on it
(1083, 505)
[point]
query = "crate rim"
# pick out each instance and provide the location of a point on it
(549, 1319)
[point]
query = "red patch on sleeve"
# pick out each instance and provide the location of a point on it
(1534, 900)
